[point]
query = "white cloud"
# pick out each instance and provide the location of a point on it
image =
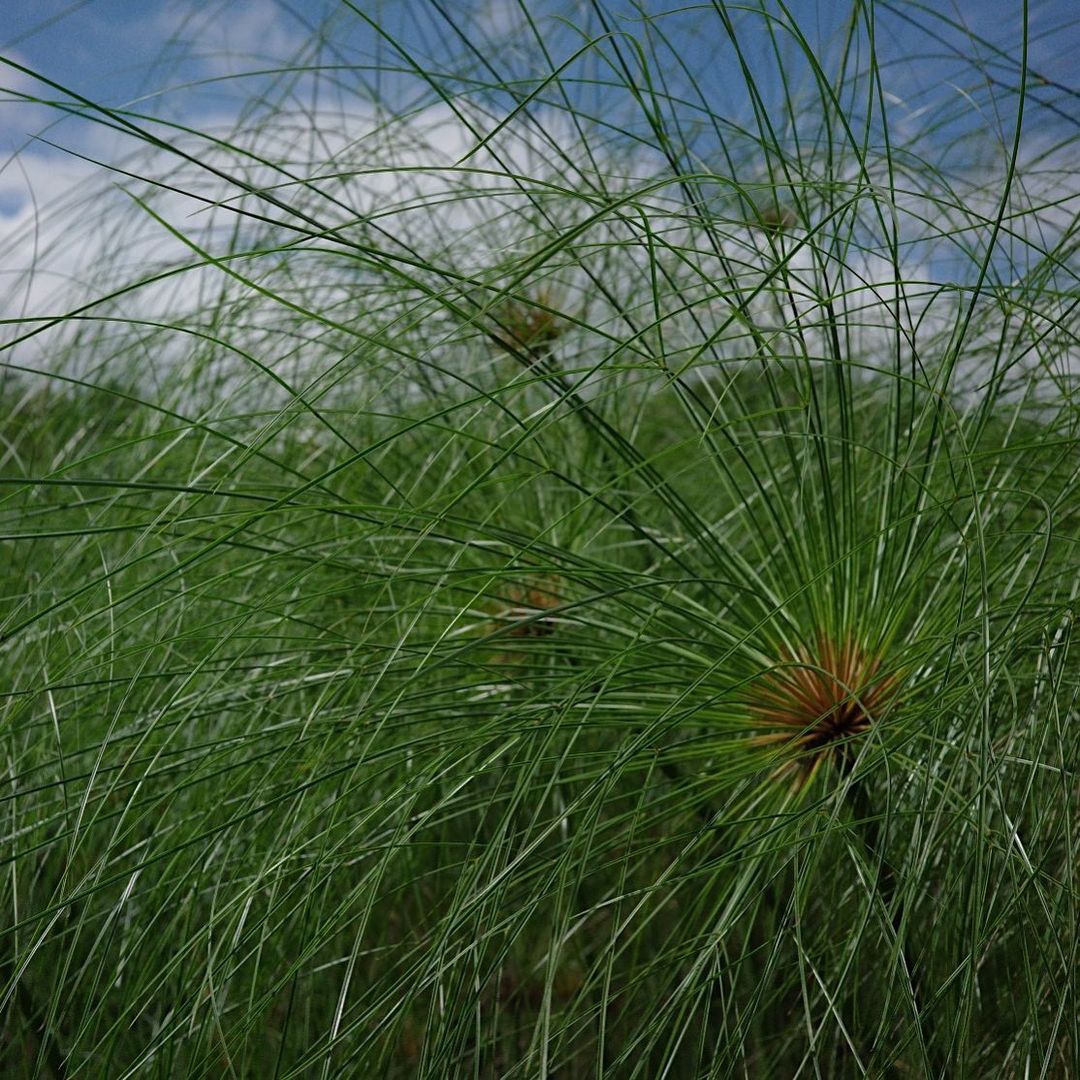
(499, 18)
(232, 38)
(354, 171)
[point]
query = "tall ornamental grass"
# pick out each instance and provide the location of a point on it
(546, 546)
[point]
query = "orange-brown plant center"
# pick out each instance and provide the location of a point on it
(523, 613)
(527, 328)
(817, 702)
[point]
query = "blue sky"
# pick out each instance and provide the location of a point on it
(186, 60)
(117, 50)
(191, 62)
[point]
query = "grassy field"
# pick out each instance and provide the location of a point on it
(511, 569)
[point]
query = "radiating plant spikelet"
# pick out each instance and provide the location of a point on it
(814, 705)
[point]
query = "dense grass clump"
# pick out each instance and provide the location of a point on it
(556, 560)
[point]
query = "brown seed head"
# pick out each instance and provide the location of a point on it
(527, 328)
(813, 705)
(522, 614)
(774, 218)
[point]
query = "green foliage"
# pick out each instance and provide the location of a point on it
(401, 562)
